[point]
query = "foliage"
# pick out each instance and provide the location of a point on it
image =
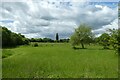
(74, 40)
(10, 39)
(82, 35)
(118, 39)
(110, 39)
(35, 44)
(64, 40)
(57, 37)
(115, 39)
(104, 40)
(47, 40)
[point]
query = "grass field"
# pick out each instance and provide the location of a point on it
(59, 60)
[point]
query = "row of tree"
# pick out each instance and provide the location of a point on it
(47, 40)
(110, 39)
(11, 39)
(83, 35)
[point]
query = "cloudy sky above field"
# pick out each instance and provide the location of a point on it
(44, 18)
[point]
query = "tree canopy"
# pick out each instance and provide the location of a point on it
(82, 35)
(104, 40)
(112, 38)
(11, 39)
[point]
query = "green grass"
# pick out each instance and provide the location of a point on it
(6, 53)
(60, 60)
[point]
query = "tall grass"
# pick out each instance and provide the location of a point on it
(60, 60)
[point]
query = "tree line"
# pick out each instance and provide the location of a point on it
(111, 39)
(48, 40)
(11, 39)
(83, 35)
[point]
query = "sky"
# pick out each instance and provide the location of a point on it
(45, 18)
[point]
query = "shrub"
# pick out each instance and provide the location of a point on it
(35, 45)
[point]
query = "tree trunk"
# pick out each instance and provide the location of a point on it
(82, 45)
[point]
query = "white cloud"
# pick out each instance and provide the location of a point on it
(45, 18)
(99, 6)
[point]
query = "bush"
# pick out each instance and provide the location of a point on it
(35, 45)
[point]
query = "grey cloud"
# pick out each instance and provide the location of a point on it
(48, 18)
(36, 20)
(14, 7)
(97, 18)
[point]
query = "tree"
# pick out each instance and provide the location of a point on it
(32, 40)
(41, 40)
(115, 39)
(118, 39)
(82, 35)
(0, 37)
(57, 37)
(11, 39)
(74, 39)
(6, 37)
(64, 40)
(104, 40)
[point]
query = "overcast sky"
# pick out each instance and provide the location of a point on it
(44, 18)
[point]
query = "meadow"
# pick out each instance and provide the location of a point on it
(59, 60)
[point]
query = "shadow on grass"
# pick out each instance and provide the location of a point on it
(106, 49)
(78, 48)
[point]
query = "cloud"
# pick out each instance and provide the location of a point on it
(45, 18)
(105, 28)
(7, 21)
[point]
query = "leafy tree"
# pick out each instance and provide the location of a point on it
(104, 40)
(82, 35)
(25, 41)
(6, 37)
(32, 40)
(0, 37)
(115, 39)
(74, 40)
(118, 39)
(41, 40)
(10, 39)
(47, 40)
(64, 40)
